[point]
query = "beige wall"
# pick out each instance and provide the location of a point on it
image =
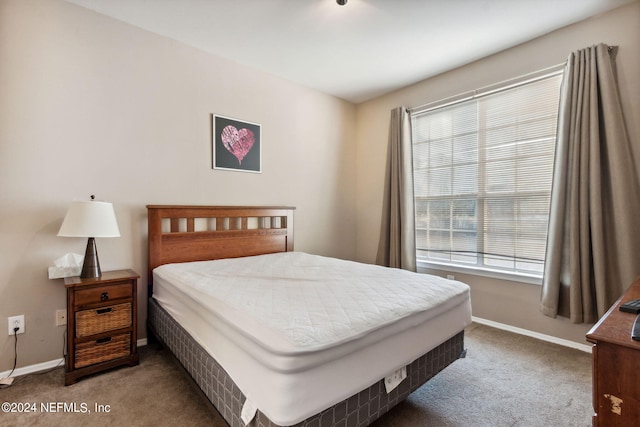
(501, 301)
(90, 105)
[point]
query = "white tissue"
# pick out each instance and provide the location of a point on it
(67, 265)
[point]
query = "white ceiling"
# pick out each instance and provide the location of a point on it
(358, 51)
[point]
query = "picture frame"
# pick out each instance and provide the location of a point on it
(236, 144)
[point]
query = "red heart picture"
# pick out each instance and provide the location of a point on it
(237, 142)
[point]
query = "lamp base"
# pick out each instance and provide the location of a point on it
(91, 265)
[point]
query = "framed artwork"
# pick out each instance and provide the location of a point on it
(236, 144)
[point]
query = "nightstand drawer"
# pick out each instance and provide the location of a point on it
(98, 320)
(102, 294)
(102, 350)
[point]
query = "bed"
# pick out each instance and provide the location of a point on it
(275, 337)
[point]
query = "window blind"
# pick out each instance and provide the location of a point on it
(482, 177)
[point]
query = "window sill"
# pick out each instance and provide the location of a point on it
(494, 274)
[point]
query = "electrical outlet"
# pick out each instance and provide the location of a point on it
(451, 277)
(61, 317)
(16, 322)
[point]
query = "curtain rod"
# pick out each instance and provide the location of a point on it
(493, 88)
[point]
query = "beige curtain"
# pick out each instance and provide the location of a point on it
(397, 247)
(593, 246)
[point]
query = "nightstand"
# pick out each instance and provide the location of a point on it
(101, 323)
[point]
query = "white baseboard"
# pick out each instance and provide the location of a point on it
(48, 365)
(549, 338)
(33, 368)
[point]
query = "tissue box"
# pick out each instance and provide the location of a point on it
(68, 265)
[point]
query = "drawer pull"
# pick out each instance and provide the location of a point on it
(104, 296)
(104, 310)
(103, 340)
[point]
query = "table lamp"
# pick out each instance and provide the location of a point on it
(90, 219)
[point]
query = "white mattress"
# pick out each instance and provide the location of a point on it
(299, 333)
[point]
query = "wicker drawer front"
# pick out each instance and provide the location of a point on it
(91, 322)
(102, 294)
(102, 350)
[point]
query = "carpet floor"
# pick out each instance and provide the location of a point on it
(505, 380)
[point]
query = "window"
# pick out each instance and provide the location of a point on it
(482, 177)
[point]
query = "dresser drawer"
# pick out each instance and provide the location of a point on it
(102, 294)
(98, 320)
(102, 350)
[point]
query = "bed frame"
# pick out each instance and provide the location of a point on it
(197, 233)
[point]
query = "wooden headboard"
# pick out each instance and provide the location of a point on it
(200, 233)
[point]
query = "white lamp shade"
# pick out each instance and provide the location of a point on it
(90, 219)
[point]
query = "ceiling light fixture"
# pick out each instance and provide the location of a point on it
(341, 2)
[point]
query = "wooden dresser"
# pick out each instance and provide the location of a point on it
(101, 325)
(616, 366)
